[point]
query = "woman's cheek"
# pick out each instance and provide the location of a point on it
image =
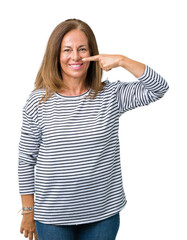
(86, 63)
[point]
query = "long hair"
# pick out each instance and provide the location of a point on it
(49, 76)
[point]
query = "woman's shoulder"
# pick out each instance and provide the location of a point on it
(34, 99)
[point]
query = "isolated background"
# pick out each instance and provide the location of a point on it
(152, 138)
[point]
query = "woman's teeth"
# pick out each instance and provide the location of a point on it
(76, 66)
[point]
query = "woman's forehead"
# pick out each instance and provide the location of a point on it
(74, 37)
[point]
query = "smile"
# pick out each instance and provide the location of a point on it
(76, 66)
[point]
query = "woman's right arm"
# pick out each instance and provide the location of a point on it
(28, 151)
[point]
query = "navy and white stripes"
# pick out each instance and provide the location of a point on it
(69, 153)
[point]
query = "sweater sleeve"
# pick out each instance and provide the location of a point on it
(150, 88)
(28, 151)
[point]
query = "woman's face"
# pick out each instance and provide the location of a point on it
(74, 47)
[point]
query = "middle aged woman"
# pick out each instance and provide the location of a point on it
(70, 133)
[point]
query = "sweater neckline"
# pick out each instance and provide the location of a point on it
(73, 97)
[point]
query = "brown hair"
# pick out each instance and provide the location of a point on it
(49, 76)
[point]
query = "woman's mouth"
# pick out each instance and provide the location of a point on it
(76, 66)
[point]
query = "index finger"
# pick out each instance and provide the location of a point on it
(92, 58)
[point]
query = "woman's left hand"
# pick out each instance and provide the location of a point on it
(106, 62)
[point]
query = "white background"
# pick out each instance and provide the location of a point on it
(152, 138)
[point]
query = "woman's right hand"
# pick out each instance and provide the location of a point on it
(28, 226)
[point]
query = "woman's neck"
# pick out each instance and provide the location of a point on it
(73, 87)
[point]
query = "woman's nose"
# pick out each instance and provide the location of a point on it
(75, 55)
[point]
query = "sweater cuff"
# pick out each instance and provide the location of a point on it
(145, 74)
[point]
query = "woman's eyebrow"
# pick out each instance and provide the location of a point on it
(84, 45)
(66, 47)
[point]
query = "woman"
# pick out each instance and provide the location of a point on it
(70, 134)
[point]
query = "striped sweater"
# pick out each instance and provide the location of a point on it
(69, 152)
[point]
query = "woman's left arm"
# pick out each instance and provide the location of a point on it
(150, 87)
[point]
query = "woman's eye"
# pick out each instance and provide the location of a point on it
(66, 50)
(82, 49)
